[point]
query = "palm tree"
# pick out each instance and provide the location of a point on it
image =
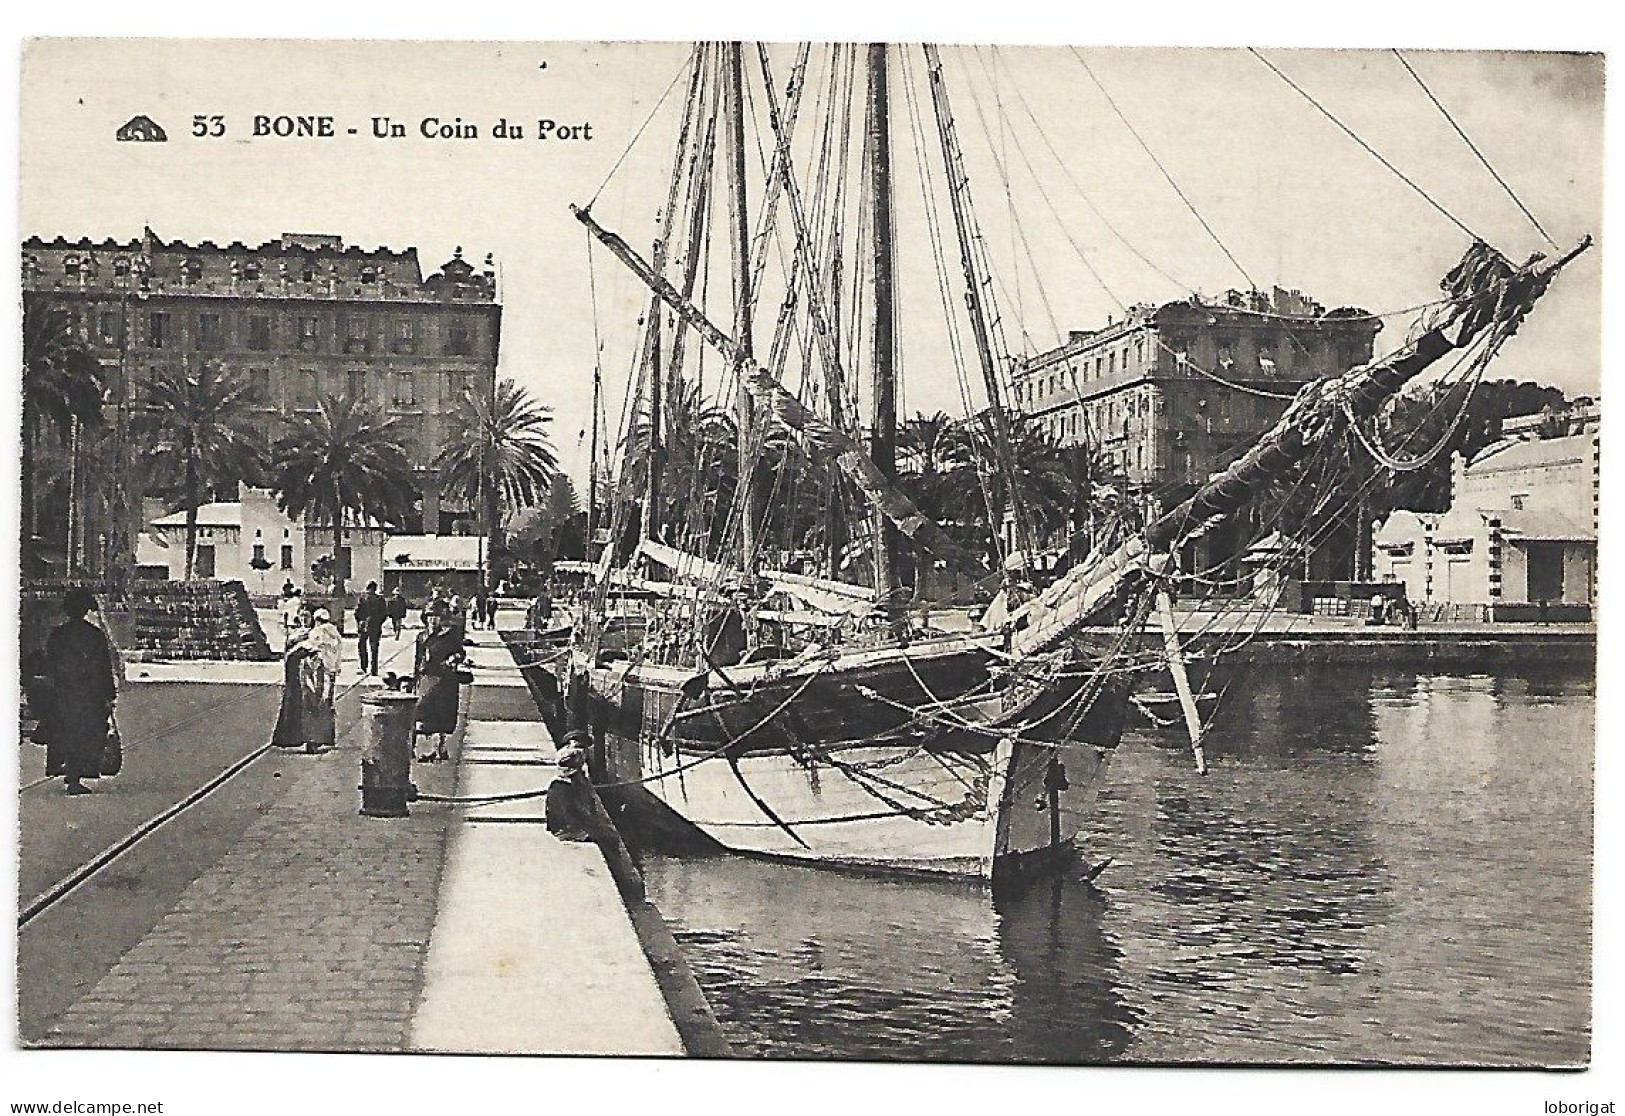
(343, 461)
(1044, 493)
(935, 462)
(63, 386)
(196, 426)
(699, 461)
(504, 462)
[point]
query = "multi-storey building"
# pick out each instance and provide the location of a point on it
(1170, 394)
(304, 317)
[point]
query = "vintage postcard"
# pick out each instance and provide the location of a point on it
(836, 552)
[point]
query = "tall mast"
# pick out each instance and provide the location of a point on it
(739, 217)
(980, 322)
(592, 463)
(883, 367)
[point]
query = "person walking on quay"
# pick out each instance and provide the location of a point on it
(318, 671)
(439, 677)
(482, 599)
(79, 666)
(370, 614)
(395, 608)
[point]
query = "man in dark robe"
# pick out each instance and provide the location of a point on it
(79, 664)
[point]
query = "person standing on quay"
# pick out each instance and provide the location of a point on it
(435, 604)
(370, 614)
(457, 613)
(396, 609)
(437, 666)
(290, 718)
(481, 600)
(318, 677)
(79, 663)
(293, 607)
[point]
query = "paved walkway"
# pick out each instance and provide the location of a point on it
(325, 930)
(310, 934)
(529, 924)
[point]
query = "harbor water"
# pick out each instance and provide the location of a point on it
(1379, 868)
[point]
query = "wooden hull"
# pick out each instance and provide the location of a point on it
(920, 760)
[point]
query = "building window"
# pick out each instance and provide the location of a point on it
(1517, 500)
(287, 556)
(406, 336)
(259, 555)
(306, 395)
(403, 393)
(259, 332)
(307, 270)
(356, 339)
(369, 275)
(259, 385)
(355, 384)
(309, 341)
(1266, 357)
(109, 327)
(211, 333)
(193, 269)
(1111, 364)
(204, 566)
(459, 339)
(158, 329)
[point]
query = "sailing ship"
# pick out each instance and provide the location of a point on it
(797, 714)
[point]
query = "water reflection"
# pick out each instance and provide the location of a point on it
(1379, 868)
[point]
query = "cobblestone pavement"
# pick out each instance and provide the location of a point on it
(310, 934)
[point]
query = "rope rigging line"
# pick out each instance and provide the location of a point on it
(1170, 178)
(677, 77)
(1373, 152)
(1471, 146)
(1049, 146)
(1004, 175)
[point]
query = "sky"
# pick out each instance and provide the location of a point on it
(1292, 198)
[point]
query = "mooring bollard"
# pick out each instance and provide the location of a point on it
(386, 755)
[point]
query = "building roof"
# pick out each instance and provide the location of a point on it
(223, 514)
(432, 552)
(1543, 525)
(1531, 453)
(229, 513)
(1522, 524)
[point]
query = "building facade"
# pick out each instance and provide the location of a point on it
(1171, 394)
(303, 317)
(251, 540)
(1519, 538)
